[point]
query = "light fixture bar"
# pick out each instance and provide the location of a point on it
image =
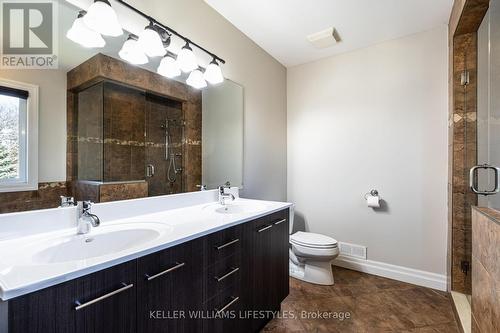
(170, 30)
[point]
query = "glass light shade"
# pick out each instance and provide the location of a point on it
(168, 67)
(186, 59)
(132, 53)
(150, 42)
(213, 73)
(196, 79)
(81, 34)
(102, 18)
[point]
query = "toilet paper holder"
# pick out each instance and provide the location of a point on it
(373, 193)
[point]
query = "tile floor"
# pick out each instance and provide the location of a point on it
(375, 304)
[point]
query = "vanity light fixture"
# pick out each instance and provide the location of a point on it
(186, 59)
(132, 52)
(153, 41)
(169, 67)
(101, 17)
(213, 73)
(81, 34)
(150, 41)
(196, 79)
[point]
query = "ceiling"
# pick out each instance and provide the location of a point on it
(280, 26)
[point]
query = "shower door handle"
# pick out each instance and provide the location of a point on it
(150, 170)
(473, 184)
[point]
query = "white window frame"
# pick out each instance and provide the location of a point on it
(30, 183)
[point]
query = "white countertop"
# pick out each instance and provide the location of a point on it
(22, 273)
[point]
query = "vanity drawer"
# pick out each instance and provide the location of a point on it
(224, 243)
(224, 312)
(169, 283)
(175, 264)
(222, 275)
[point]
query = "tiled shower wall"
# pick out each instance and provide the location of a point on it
(486, 271)
(123, 164)
(465, 20)
(463, 147)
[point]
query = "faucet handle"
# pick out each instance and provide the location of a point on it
(222, 187)
(202, 187)
(67, 201)
(87, 205)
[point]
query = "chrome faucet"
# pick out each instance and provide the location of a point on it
(223, 195)
(86, 219)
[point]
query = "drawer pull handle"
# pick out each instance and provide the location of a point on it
(279, 222)
(233, 270)
(80, 306)
(234, 300)
(220, 247)
(171, 269)
(265, 228)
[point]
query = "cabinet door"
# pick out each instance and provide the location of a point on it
(170, 289)
(266, 253)
(47, 310)
(100, 302)
(259, 253)
(279, 284)
(106, 300)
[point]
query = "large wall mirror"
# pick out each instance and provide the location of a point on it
(108, 130)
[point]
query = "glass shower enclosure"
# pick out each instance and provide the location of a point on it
(484, 177)
(128, 135)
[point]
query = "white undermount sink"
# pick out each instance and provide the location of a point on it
(99, 242)
(236, 207)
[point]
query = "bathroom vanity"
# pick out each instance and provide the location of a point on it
(209, 270)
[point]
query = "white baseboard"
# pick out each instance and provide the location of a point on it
(400, 273)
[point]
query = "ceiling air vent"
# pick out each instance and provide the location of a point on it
(324, 38)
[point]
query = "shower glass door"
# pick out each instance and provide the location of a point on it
(164, 146)
(488, 109)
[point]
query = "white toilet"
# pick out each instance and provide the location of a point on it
(311, 256)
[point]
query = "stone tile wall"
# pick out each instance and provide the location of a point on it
(485, 270)
(47, 196)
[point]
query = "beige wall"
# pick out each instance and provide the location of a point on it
(374, 118)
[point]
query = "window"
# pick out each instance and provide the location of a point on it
(18, 136)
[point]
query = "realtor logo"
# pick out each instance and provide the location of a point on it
(29, 39)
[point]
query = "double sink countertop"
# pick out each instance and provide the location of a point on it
(34, 261)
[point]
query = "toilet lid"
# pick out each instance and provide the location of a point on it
(312, 240)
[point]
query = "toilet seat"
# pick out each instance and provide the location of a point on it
(315, 253)
(312, 240)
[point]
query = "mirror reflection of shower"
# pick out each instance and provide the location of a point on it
(173, 159)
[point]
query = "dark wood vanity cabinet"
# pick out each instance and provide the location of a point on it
(268, 261)
(104, 301)
(214, 283)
